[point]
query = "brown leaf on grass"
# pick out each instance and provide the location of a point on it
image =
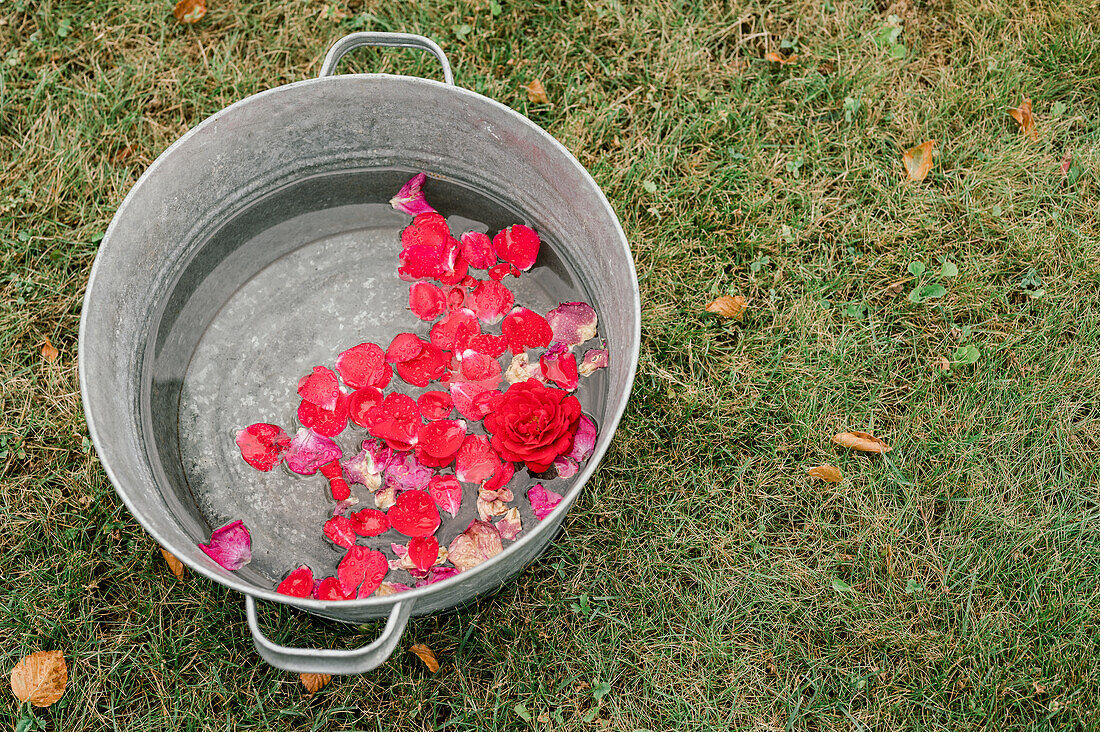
(827, 473)
(729, 307)
(189, 11)
(779, 59)
(918, 160)
(48, 351)
(427, 656)
(942, 363)
(861, 441)
(315, 682)
(536, 93)
(1025, 119)
(895, 288)
(1067, 161)
(40, 678)
(173, 564)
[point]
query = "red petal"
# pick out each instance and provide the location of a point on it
(364, 365)
(476, 461)
(560, 366)
(361, 401)
(502, 270)
(298, 583)
(262, 445)
(463, 393)
(419, 262)
(446, 491)
(321, 388)
(323, 421)
(455, 274)
(404, 347)
(477, 250)
(332, 470)
(414, 514)
(423, 551)
(501, 477)
(526, 329)
(454, 332)
(475, 366)
(370, 522)
(435, 405)
(426, 300)
(489, 301)
(517, 244)
(455, 297)
(329, 589)
(428, 366)
(441, 439)
(340, 530)
(489, 344)
(340, 489)
(362, 566)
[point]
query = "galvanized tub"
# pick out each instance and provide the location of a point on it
(262, 237)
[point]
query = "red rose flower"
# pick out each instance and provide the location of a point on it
(533, 424)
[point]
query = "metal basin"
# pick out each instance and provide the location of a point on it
(258, 243)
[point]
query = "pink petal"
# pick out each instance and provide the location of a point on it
(438, 574)
(565, 467)
(463, 394)
(594, 359)
(477, 250)
(481, 541)
(407, 473)
(426, 300)
(385, 498)
(262, 445)
(518, 245)
(584, 441)
(476, 461)
(490, 301)
(391, 588)
(446, 491)
(320, 387)
(510, 525)
(525, 329)
(559, 365)
(488, 509)
(543, 501)
(308, 451)
(362, 469)
(230, 546)
(572, 323)
(410, 199)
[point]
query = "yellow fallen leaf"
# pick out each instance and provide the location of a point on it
(427, 656)
(48, 351)
(1025, 119)
(861, 441)
(315, 682)
(777, 58)
(536, 93)
(189, 11)
(40, 678)
(729, 307)
(827, 473)
(918, 160)
(173, 564)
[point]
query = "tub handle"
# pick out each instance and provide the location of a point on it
(392, 40)
(326, 660)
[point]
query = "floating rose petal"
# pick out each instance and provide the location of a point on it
(455, 273)
(370, 522)
(481, 541)
(262, 445)
(488, 344)
(476, 462)
(437, 442)
(230, 546)
(477, 367)
(420, 262)
(330, 589)
(414, 514)
(559, 365)
(404, 347)
(361, 401)
(572, 323)
(391, 588)
(453, 333)
(423, 551)
(396, 421)
(500, 478)
(298, 583)
(455, 297)
(488, 509)
(385, 498)
(340, 530)
(427, 229)
(500, 271)
(487, 401)
(438, 574)
(435, 405)
(362, 566)
(584, 441)
(463, 395)
(510, 525)
(339, 487)
(428, 366)
(594, 359)
(518, 245)
(521, 369)
(477, 250)
(426, 300)
(341, 507)
(407, 473)
(565, 466)
(543, 501)
(364, 365)
(362, 469)
(325, 422)
(308, 451)
(320, 387)
(490, 301)
(446, 491)
(410, 199)
(525, 329)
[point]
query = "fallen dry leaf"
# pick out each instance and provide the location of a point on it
(48, 351)
(315, 682)
(40, 678)
(827, 473)
(189, 11)
(777, 58)
(861, 441)
(729, 307)
(895, 288)
(426, 656)
(942, 363)
(173, 564)
(1067, 161)
(918, 160)
(1025, 119)
(536, 93)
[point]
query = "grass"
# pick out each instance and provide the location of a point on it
(703, 579)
